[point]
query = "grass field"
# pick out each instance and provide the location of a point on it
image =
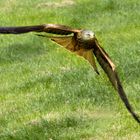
(47, 93)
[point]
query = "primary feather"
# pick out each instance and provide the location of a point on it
(109, 68)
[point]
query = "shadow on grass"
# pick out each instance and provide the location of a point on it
(72, 126)
(20, 52)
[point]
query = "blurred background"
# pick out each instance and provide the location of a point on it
(48, 93)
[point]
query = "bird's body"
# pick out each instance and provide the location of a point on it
(83, 43)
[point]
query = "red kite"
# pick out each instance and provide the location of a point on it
(83, 43)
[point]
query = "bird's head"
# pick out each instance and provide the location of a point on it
(87, 35)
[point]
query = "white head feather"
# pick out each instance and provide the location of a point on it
(87, 35)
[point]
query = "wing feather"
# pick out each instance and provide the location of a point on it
(48, 28)
(70, 44)
(21, 29)
(109, 68)
(67, 42)
(59, 29)
(88, 55)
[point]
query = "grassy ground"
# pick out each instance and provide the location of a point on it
(48, 93)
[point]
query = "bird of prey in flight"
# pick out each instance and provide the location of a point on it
(83, 43)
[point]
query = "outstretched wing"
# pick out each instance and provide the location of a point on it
(48, 28)
(109, 68)
(67, 42)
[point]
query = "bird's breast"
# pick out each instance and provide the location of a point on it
(86, 44)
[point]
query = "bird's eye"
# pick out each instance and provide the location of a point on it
(88, 35)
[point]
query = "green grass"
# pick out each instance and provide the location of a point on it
(48, 93)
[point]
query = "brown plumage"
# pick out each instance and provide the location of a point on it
(83, 43)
